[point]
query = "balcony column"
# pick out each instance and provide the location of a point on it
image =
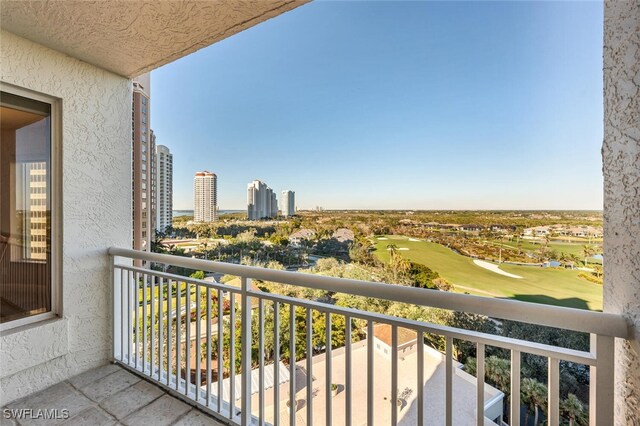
(621, 159)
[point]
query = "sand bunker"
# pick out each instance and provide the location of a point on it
(413, 239)
(494, 268)
(399, 248)
(382, 238)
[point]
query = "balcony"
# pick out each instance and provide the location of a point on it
(93, 316)
(383, 358)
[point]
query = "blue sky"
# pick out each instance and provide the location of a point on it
(395, 105)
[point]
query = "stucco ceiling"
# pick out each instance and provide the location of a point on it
(133, 37)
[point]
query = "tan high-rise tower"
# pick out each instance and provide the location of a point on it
(143, 166)
(205, 197)
(164, 188)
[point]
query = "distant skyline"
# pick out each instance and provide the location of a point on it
(395, 105)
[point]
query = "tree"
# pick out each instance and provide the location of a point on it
(398, 264)
(198, 275)
(533, 394)
(588, 251)
(422, 276)
(572, 408)
(499, 372)
(597, 271)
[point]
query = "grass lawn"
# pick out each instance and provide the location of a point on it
(569, 248)
(540, 285)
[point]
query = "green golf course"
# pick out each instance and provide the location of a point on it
(552, 286)
(561, 247)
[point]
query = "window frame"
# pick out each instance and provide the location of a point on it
(56, 208)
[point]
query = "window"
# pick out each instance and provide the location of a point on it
(28, 211)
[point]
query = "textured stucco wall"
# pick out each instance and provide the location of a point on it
(147, 33)
(621, 157)
(96, 180)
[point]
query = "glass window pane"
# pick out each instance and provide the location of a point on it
(25, 207)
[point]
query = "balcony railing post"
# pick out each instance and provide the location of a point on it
(601, 381)
(116, 320)
(246, 351)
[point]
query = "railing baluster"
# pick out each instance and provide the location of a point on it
(448, 413)
(116, 318)
(514, 416)
(327, 363)
(123, 297)
(187, 340)
(394, 375)
(309, 367)
(261, 412)
(178, 333)
(370, 372)
(129, 314)
(197, 343)
(554, 392)
(292, 364)
(144, 323)
(152, 322)
(160, 327)
(220, 351)
(420, 384)
(232, 356)
(480, 384)
(246, 337)
(169, 326)
(208, 343)
(347, 380)
(276, 362)
(137, 316)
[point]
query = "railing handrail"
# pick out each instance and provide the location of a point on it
(601, 323)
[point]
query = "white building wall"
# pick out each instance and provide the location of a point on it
(261, 201)
(621, 158)
(96, 186)
(205, 197)
(288, 203)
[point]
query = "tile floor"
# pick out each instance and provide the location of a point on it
(109, 395)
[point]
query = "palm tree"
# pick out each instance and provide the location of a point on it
(394, 258)
(534, 395)
(588, 252)
(572, 408)
(498, 371)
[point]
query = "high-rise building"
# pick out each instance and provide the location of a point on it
(35, 210)
(164, 187)
(205, 197)
(288, 203)
(143, 185)
(261, 201)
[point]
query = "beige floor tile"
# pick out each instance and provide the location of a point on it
(90, 376)
(125, 402)
(110, 385)
(163, 411)
(197, 418)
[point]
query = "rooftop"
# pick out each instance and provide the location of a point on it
(383, 332)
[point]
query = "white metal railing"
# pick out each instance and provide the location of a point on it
(151, 337)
